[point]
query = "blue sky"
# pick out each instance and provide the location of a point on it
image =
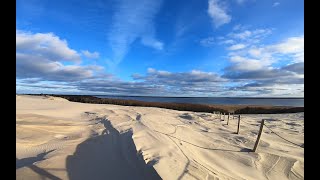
(161, 47)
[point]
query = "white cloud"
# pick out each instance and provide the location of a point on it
(151, 70)
(255, 64)
(130, 22)
(252, 57)
(293, 46)
(92, 55)
(217, 13)
(33, 66)
(246, 45)
(41, 56)
(45, 44)
(236, 47)
(275, 4)
(255, 52)
(247, 64)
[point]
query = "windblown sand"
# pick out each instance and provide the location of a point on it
(58, 139)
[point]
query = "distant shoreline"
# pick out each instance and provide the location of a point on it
(178, 96)
(238, 109)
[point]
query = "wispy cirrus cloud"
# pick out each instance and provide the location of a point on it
(255, 34)
(133, 20)
(218, 13)
(207, 42)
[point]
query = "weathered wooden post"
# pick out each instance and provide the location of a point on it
(228, 119)
(259, 136)
(224, 116)
(238, 124)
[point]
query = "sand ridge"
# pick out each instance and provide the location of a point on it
(59, 139)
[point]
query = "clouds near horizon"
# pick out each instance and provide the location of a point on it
(42, 56)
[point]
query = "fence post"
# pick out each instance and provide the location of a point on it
(238, 124)
(228, 119)
(259, 135)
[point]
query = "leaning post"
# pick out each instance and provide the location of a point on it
(259, 136)
(238, 124)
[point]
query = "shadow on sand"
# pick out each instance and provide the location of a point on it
(109, 156)
(29, 162)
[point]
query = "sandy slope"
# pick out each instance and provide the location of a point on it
(58, 139)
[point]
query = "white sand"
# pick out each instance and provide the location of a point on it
(58, 139)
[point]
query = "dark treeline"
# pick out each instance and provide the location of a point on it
(182, 106)
(273, 110)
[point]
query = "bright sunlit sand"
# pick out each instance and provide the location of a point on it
(58, 139)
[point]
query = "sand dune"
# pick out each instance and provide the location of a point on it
(58, 139)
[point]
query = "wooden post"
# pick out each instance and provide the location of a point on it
(238, 124)
(228, 119)
(259, 135)
(233, 116)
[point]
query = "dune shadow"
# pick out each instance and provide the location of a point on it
(109, 156)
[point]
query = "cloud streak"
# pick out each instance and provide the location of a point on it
(133, 20)
(207, 42)
(236, 47)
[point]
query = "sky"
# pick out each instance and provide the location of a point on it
(196, 48)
